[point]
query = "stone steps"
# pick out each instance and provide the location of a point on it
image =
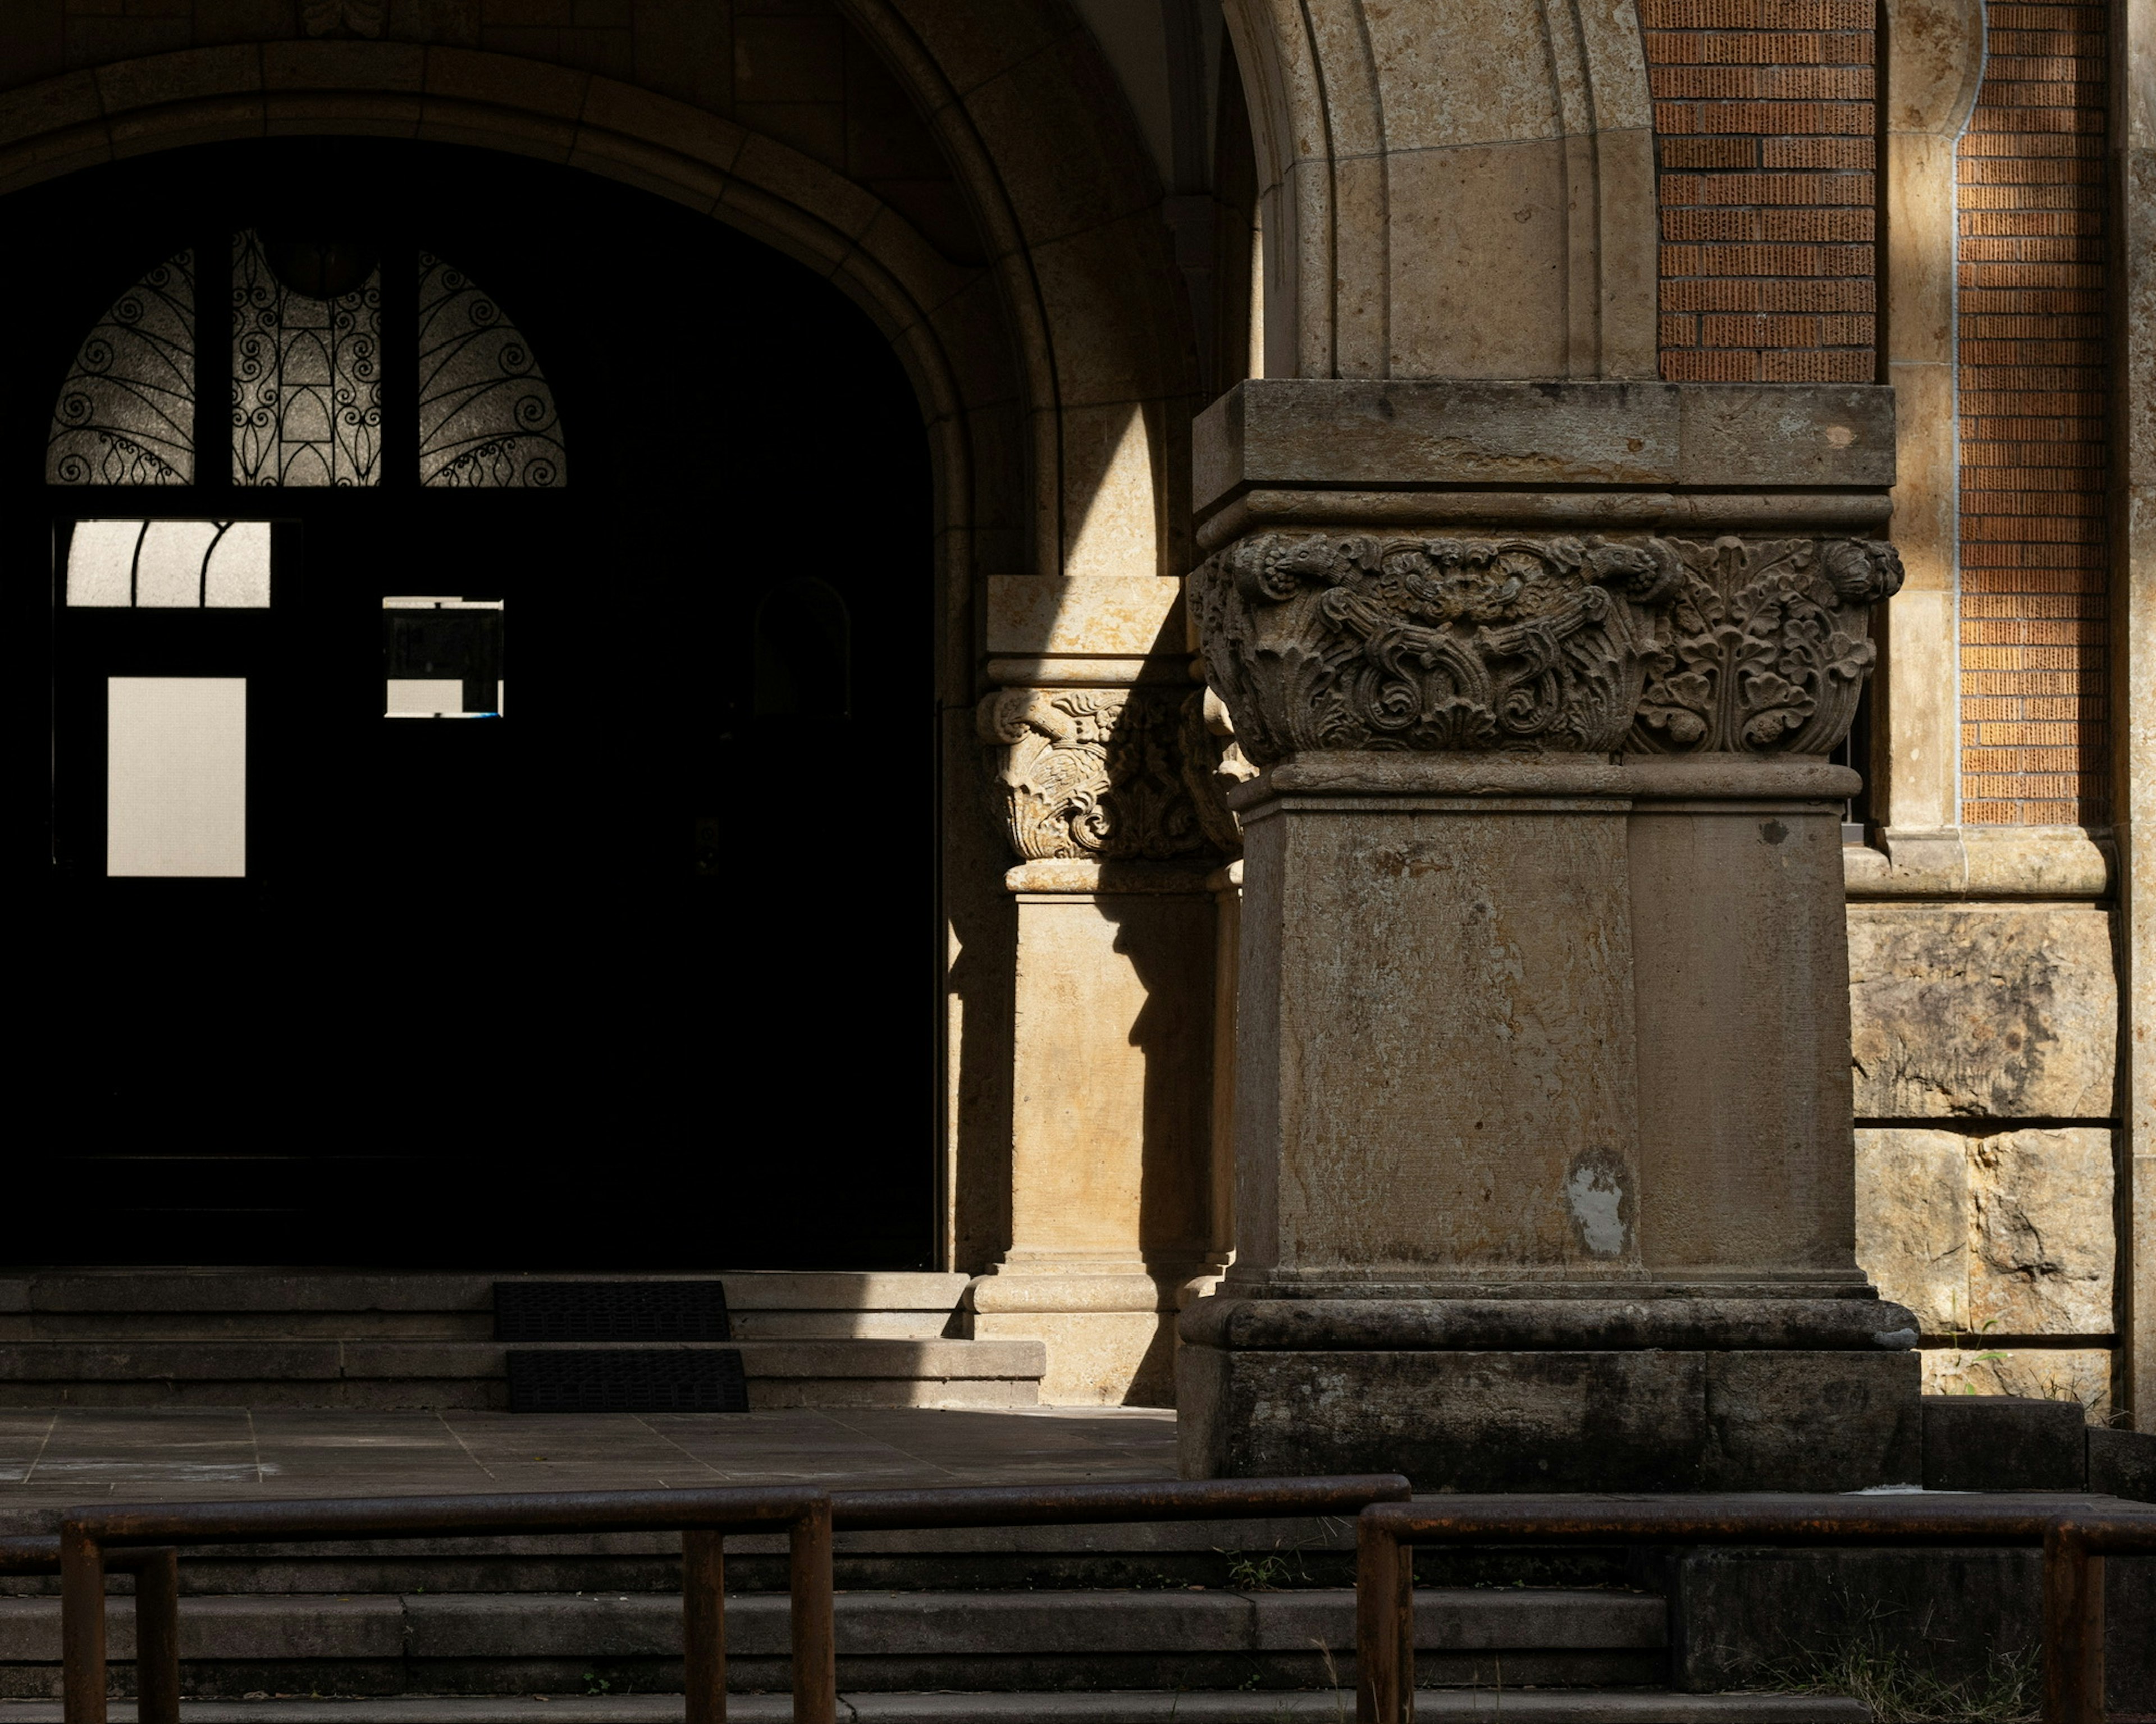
(523, 1644)
(276, 1338)
(1321, 1706)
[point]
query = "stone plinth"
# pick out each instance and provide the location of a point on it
(1540, 1075)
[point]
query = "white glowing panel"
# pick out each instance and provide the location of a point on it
(168, 568)
(236, 573)
(425, 697)
(170, 564)
(101, 562)
(176, 776)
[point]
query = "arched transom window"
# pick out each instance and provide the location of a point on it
(309, 353)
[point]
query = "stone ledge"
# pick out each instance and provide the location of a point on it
(1630, 1419)
(1076, 879)
(1543, 1325)
(1320, 433)
(1981, 862)
(1779, 778)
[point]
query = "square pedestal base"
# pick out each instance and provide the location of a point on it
(1631, 1420)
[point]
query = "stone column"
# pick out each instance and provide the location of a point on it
(1112, 1098)
(1543, 1131)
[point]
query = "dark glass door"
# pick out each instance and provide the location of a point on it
(629, 971)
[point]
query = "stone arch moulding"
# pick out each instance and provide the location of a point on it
(454, 95)
(1392, 141)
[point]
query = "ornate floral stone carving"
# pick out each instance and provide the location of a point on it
(1766, 646)
(1319, 641)
(1094, 774)
(1213, 765)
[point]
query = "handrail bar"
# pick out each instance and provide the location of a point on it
(2074, 1541)
(723, 1509)
(1094, 1504)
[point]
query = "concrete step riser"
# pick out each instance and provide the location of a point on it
(1107, 1672)
(374, 1341)
(1435, 1706)
(887, 1642)
(485, 1395)
(104, 1330)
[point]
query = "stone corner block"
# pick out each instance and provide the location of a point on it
(1998, 1011)
(2003, 1443)
(2123, 1463)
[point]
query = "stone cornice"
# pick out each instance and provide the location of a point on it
(1319, 435)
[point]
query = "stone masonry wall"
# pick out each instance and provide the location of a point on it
(2031, 357)
(1764, 118)
(1985, 1047)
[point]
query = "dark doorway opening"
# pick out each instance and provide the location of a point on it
(636, 974)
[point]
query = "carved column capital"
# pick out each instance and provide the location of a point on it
(1107, 775)
(1540, 643)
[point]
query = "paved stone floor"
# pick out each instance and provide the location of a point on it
(50, 1458)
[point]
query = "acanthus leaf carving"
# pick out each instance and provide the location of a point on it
(1540, 644)
(1093, 774)
(1767, 647)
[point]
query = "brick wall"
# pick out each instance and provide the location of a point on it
(1763, 122)
(2031, 307)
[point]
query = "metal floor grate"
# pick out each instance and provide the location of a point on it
(611, 1311)
(628, 1380)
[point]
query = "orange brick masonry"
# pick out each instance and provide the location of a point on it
(1763, 120)
(2031, 307)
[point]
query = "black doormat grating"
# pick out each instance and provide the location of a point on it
(628, 1380)
(611, 1311)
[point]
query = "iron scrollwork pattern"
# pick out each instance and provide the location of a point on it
(486, 412)
(1093, 775)
(126, 413)
(1555, 645)
(1767, 646)
(306, 378)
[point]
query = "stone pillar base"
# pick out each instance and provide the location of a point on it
(1110, 1337)
(1553, 1394)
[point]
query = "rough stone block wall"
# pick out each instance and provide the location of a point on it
(1984, 1040)
(1764, 123)
(2031, 357)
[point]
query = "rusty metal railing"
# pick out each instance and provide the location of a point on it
(92, 1540)
(146, 1540)
(2074, 1542)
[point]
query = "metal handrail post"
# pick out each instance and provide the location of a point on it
(2073, 1628)
(813, 1610)
(703, 1627)
(156, 1634)
(1384, 1624)
(82, 1626)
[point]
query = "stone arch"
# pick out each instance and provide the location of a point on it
(1394, 142)
(1074, 324)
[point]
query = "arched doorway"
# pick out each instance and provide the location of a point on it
(620, 977)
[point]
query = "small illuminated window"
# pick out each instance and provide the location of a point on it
(176, 776)
(169, 565)
(442, 658)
